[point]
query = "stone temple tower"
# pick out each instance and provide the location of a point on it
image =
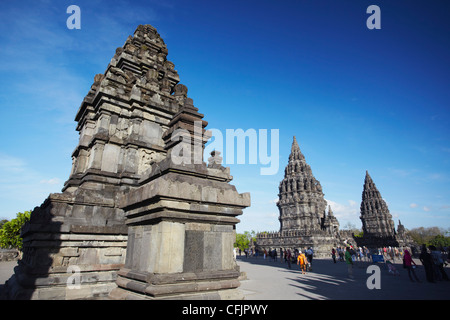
(301, 200)
(304, 221)
(377, 223)
(375, 216)
(97, 235)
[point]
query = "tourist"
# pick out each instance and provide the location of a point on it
(391, 253)
(281, 255)
(289, 257)
(427, 262)
(408, 263)
(349, 261)
(438, 263)
(392, 269)
(341, 254)
(395, 254)
(309, 255)
(301, 261)
(361, 254)
(367, 251)
(333, 255)
(353, 254)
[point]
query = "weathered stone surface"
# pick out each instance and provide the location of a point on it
(190, 211)
(9, 255)
(303, 218)
(375, 216)
(378, 226)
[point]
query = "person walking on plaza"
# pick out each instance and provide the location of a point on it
(333, 255)
(438, 263)
(289, 257)
(309, 255)
(408, 264)
(341, 254)
(349, 261)
(427, 262)
(301, 261)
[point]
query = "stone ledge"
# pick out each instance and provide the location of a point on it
(171, 291)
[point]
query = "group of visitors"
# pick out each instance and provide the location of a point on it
(432, 259)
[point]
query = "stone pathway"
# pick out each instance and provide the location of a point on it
(268, 280)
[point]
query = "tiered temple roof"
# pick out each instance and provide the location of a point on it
(375, 216)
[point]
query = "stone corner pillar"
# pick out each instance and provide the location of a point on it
(181, 232)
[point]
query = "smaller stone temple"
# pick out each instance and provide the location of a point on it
(304, 221)
(377, 224)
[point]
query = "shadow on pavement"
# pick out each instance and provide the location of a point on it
(330, 281)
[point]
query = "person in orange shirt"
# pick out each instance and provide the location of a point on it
(301, 261)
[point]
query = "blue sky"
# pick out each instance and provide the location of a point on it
(356, 99)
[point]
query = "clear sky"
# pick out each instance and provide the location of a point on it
(356, 99)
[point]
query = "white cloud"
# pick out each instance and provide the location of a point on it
(427, 209)
(51, 181)
(348, 211)
(413, 205)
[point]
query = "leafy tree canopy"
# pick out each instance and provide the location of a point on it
(10, 231)
(438, 237)
(245, 240)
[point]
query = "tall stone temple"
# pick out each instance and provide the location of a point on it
(304, 220)
(377, 224)
(131, 222)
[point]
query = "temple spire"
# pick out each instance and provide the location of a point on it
(375, 216)
(301, 200)
(296, 154)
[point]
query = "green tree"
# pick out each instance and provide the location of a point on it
(430, 236)
(439, 241)
(244, 240)
(10, 232)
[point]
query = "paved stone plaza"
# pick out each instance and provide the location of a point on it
(269, 280)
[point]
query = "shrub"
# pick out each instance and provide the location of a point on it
(10, 232)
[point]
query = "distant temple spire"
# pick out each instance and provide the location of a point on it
(301, 200)
(296, 154)
(375, 216)
(330, 212)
